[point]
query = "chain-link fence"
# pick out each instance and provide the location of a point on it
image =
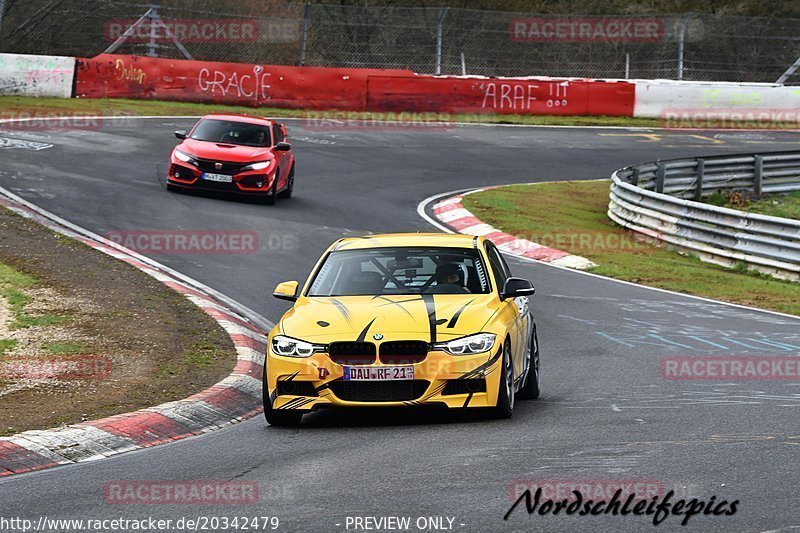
(427, 40)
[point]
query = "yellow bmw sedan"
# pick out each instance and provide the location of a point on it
(403, 320)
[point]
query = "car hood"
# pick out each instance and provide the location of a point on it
(224, 152)
(427, 317)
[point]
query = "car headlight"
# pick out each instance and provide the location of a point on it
(470, 345)
(289, 347)
(183, 156)
(261, 165)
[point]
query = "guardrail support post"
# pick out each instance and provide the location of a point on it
(635, 177)
(758, 174)
(701, 171)
(661, 173)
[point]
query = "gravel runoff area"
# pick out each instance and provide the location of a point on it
(84, 335)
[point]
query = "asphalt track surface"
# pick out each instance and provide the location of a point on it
(605, 411)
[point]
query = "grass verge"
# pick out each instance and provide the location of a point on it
(67, 348)
(22, 106)
(12, 285)
(7, 345)
(571, 216)
(775, 205)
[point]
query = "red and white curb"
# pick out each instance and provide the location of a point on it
(454, 215)
(235, 398)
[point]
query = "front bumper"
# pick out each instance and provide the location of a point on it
(249, 182)
(298, 383)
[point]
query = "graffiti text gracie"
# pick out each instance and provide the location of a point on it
(253, 85)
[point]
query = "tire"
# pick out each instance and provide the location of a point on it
(289, 185)
(530, 390)
(505, 395)
(275, 417)
(273, 195)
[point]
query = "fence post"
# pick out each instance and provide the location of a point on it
(661, 174)
(152, 47)
(439, 28)
(682, 43)
(758, 174)
(2, 10)
(701, 171)
(304, 43)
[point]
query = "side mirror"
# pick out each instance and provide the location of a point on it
(515, 287)
(283, 146)
(286, 291)
(180, 134)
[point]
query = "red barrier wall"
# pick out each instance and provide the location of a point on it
(120, 76)
(502, 96)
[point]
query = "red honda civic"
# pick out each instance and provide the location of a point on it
(234, 154)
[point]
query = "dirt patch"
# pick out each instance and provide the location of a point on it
(145, 344)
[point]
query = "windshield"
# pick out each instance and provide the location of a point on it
(231, 132)
(380, 271)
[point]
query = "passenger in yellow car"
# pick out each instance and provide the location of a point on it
(449, 280)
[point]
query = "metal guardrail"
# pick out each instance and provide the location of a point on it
(662, 200)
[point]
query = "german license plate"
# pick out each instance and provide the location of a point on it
(222, 178)
(378, 373)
